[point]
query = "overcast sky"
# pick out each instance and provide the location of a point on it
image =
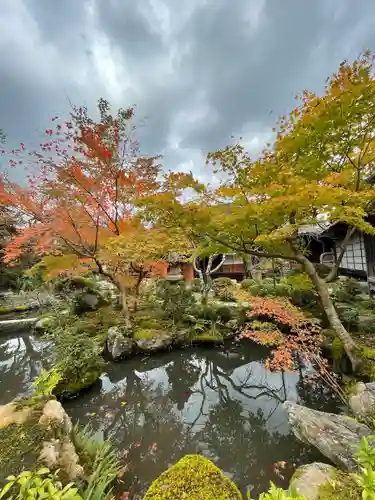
(198, 71)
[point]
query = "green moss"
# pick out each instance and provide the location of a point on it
(146, 333)
(208, 338)
(147, 322)
(7, 310)
(193, 477)
(67, 389)
(338, 350)
(20, 446)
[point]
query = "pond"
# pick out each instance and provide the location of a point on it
(222, 403)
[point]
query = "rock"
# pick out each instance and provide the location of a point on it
(193, 477)
(118, 344)
(362, 400)
(335, 436)
(9, 414)
(157, 342)
(90, 300)
(43, 323)
(308, 479)
(54, 414)
(56, 454)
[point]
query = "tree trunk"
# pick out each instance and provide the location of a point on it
(247, 268)
(335, 323)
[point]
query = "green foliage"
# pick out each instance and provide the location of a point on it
(145, 333)
(358, 485)
(176, 299)
(275, 493)
(338, 350)
(193, 477)
(78, 359)
(101, 464)
(224, 314)
(349, 317)
(45, 384)
(149, 323)
(247, 283)
(64, 285)
(100, 459)
(346, 289)
(366, 325)
(39, 485)
(223, 289)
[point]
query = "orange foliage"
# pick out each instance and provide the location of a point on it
(85, 190)
(293, 332)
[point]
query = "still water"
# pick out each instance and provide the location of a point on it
(222, 403)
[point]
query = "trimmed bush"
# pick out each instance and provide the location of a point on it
(193, 477)
(223, 289)
(247, 283)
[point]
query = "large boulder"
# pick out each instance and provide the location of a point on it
(118, 344)
(193, 477)
(308, 479)
(362, 400)
(335, 436)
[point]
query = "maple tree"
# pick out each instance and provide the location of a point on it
(319, 168)
(83, 185)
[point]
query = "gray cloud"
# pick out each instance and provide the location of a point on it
(197, 71)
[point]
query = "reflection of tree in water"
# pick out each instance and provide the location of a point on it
(140, 419)
(201, 405)
(182, 376)
(20, 364)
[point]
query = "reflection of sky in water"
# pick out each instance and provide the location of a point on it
(222, 403)
(258, 389)
(20, 363)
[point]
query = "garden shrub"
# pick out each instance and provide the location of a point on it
(175, 297)
(78, 358)
(269, 289)
(346, 289)
(223, 289)
(301, 291)
(247, 283)
(193, 477)
(349, 317)
(366, 324)
(224, 314)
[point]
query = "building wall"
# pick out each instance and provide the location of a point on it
(355, 255)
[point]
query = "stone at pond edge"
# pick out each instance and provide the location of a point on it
(335, 436)
(118, 344)
(43, 323)
(362, 400)
(158, 342)
(308, 479)
(69, 389)
(193, 477)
